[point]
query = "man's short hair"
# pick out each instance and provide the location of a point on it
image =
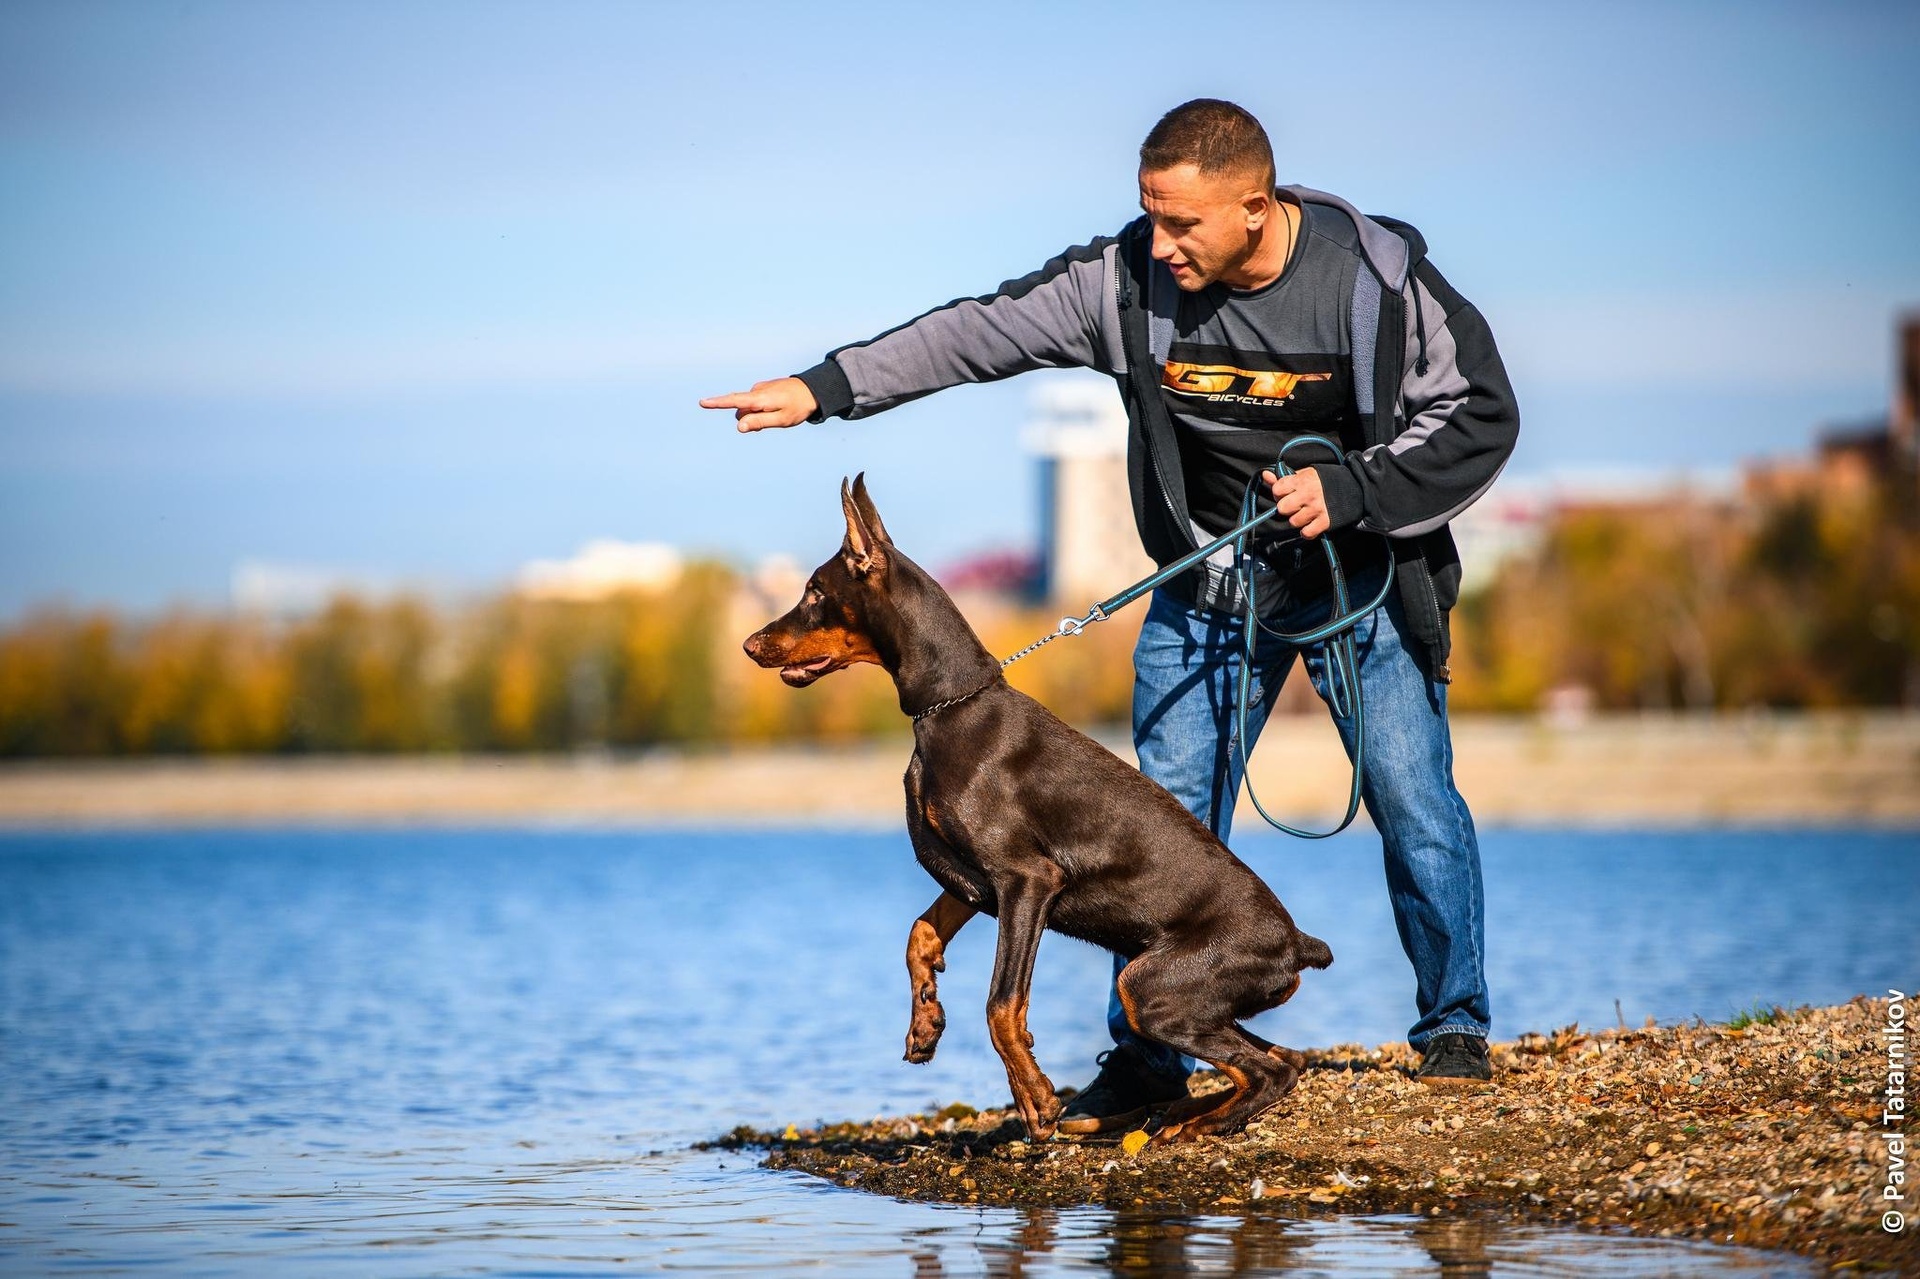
(1217, 137)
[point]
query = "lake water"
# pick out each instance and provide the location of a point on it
(486, 1052)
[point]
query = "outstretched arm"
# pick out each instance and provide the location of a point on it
(1064, 315)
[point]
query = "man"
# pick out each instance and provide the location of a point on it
(1235, 316)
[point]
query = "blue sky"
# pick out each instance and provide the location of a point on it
(420, 292)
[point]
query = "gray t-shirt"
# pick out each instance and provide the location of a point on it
(1249, 370)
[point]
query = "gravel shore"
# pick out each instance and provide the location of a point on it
(1768, 1134)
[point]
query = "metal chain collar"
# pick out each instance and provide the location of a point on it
(1068, 626)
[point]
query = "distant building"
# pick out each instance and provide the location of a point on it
(263, 588)
(1510, 521)
(1903, 423)
(601, 568)
(1504, 525)
(1852, 461)
(1009, 574)
(1089, 546)
(1849, 463)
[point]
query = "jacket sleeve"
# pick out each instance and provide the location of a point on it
(1458, 416)
(1064, 315)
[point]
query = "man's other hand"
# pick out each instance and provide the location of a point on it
(1300, 500)
(785, 401)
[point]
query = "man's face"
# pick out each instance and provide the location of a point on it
(1205, 227)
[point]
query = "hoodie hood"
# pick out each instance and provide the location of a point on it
(1391, 247)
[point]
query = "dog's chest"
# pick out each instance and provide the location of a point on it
(941, 843)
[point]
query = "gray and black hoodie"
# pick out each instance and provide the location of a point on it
(1428, 418)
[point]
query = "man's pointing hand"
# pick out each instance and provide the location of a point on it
(785, 401)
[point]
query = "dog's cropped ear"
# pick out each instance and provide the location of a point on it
(868, 511)
(862, 550)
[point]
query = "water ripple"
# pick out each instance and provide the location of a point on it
(414, 1052)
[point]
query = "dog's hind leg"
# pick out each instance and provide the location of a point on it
(1266, 1088)
(1261, 1077)
(1184, 1002)
(927, 955)
(1261, 1080)
(1286, 1056)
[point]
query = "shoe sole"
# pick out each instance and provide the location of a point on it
(1455, 1082)
(1093, 1125)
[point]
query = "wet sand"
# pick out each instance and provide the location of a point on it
(1765, 1135)
(1833, 769)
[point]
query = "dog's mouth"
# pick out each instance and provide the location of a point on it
(801, 674)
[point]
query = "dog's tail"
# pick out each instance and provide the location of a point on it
(1312, 952)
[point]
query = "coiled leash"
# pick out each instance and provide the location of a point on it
(1343, 659)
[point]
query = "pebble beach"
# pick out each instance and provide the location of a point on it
(1768, 1132)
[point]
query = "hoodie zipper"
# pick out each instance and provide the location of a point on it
(1123, 298)
(1419, 319)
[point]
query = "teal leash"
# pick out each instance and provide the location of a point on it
(1343, 659)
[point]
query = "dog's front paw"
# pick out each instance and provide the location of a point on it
(1041, 1113)
(923, 1036)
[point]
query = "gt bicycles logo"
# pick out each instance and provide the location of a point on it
(1222, 383)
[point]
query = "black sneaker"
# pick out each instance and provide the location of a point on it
(1454, 1060)
(1124, 1092)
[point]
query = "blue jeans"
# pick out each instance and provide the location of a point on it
(1185, 670)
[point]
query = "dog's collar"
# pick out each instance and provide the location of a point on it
(955, 701)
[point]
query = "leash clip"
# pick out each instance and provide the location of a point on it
(1074, 625)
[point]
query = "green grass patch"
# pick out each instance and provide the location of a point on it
(1759, 1015)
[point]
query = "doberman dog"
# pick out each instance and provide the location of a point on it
(1016, 815)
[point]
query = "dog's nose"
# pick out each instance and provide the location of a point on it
(752, 645)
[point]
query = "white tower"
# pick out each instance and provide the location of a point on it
(1089, 546)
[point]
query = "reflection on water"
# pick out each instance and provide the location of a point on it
(431, 1052)
(1045, 1242)
(433, 1209)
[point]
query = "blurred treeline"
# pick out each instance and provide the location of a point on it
(1794, 602)
(1809, 599)
(639, 669)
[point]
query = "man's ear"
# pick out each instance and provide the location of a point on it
(861, 550)
(868, 512)
(1259, 207)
